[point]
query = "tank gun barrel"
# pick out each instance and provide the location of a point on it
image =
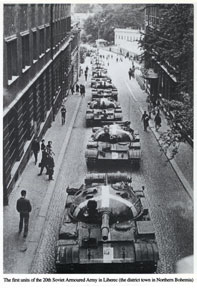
(105, 225)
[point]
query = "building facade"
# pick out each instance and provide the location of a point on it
(166, 84)
(127, 40)
(41, 62)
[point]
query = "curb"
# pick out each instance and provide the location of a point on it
(36, 235)
(173, 163)
(177, 170)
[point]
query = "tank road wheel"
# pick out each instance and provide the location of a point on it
(90, 162)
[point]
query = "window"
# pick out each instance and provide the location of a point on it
(25, 51)
(41, 42)
(35, 48)
(12, 68)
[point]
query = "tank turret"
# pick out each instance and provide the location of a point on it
(106, 228)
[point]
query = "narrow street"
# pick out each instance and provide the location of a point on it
(170, 206)
(91, 89)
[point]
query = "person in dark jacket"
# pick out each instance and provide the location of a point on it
(35, 148)
(72, 89)
(50, 165)
(86, 75)
(83, 90)
(23, 206)
(63, 114)
(145, 119)
(77, 88)
(43, 163)
(157, 121)
(49, 147)
(42, 145)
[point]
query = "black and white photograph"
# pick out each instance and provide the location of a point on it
(98, 141)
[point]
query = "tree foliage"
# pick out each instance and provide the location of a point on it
(172, 43)
(112, 16)
(182, 113)
(170, 142)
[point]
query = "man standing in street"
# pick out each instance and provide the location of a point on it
(63, 114)
(35, 148)
(23, 206)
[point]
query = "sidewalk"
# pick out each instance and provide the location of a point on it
(183, 160)
(19, 252)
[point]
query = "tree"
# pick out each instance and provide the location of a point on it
(172, 43)
(182, 113)
(82, 8)
(114, 16)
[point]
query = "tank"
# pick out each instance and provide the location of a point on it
(102, 86)
(102, 110)
(114, 143)
(96, 80)
(106, 228)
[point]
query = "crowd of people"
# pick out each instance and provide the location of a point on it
(47, 160)
(154, 108)
(23, 205)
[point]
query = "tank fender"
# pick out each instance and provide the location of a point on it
(118, 110)
(118, 116)
(91, 153)
(146, 252)
(135, 154)
(92, 144)
(66, 254)
(89, 116)
(88, 111)
(135, 145)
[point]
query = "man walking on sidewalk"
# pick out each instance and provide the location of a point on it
(145, 119)
(157, 121)
(130, 73)
(51, 165)
(35, 148)
(86, 75)
(63, 114)
(43, 163)
(77, 88)
(42, 145)
(23, 206)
